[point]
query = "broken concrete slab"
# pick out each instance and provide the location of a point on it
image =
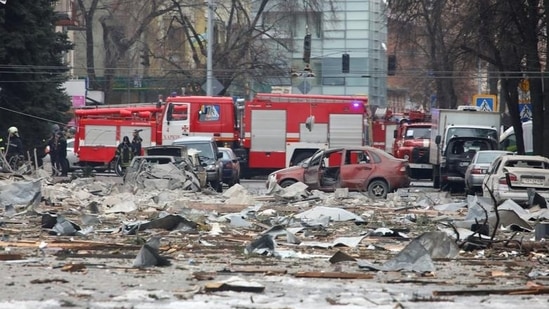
(19, 193)
(148, 255)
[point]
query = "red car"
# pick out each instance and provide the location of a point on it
(365, 169)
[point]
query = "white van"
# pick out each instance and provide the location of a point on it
(508, 140)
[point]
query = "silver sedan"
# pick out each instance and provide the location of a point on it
(474, 175)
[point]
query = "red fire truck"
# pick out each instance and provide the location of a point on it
(412, 141)
(100, 130)
(270, 132)
(280, 130)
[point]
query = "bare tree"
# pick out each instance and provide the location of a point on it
(509, 38)
(250, 43)
(434, 28)
(88, 15)
(123, 27)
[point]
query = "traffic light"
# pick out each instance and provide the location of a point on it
(345, 62)
(391, 64)
(307, 49)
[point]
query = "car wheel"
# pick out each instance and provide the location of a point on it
(118, 168)
(287, 183)
(378, 189)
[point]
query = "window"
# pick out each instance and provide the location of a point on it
(209, 112)
(177, 112)
(357, 157)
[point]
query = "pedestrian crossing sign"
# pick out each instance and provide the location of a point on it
(525, 112)
(486, 102)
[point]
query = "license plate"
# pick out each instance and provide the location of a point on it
(533, 181)
(464, 163)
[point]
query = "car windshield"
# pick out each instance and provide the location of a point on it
(414, 133)
(204, 149)
(226, 155)
(473, 132)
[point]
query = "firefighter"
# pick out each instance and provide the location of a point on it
(124, 154)
(136, 143)
(15, 144)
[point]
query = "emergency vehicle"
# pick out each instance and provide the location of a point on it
(384, 123)
(280, 130)
(269, 132)
(100, 130)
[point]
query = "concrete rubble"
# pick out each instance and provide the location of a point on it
(92, 242)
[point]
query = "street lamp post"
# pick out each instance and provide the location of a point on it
(209, 73)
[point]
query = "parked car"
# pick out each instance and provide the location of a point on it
(474, 175)
(510, 176)
(71, 156)
(230, 166)
(457, 157)
(209, 155)
(357, 168)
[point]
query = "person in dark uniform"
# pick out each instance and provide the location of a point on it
(136, 143)
(62, 161)
(124, 154)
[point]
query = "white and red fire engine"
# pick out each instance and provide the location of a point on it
(270, 132)
(100, 130)
(280, 130)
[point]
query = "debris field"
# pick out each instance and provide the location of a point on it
(99, 243)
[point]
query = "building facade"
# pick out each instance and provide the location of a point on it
(356, 28)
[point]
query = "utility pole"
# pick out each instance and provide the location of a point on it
(209, 73)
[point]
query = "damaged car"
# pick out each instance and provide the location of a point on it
(510, 177)
(181, 168)
(364, 168)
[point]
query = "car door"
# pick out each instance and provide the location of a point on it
(311, 174)
(356, 168)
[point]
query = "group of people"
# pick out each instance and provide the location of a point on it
(127, 150)
(57, 145)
